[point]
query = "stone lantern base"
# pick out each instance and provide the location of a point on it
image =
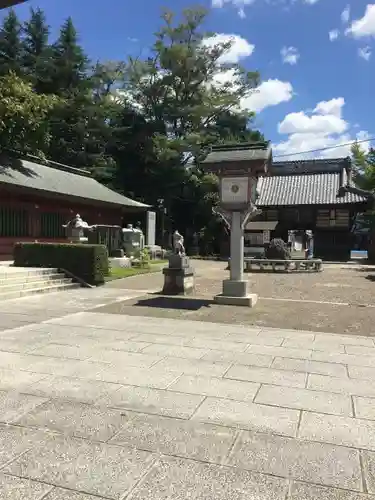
(235, 294)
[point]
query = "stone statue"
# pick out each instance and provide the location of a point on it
(75, 228)
(178, 243)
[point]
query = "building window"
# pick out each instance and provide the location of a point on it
(13, 223)
(51, 225)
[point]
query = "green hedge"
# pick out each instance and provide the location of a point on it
(87, 262)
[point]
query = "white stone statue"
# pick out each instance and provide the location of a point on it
(178, 243)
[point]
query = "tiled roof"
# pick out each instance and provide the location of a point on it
(239, 152)
(60, 179)
(303, 189)
(317, 166)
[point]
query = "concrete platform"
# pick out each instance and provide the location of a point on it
(247, 301)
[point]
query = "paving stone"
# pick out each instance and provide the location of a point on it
(14, 405)
(124, 345)
(62, 351)
(153, 377)
(153, 338)
(298, 343)
(175, 351)
(305, 399)
(14, 488)
(284, 352)
(124, 358)
(362, 372)
(361, 350)
(241, 358)
(193, 367)
(50, 366)
(209, 443)
(345, 339)
(12, 380)
(15, 440)
(308, 366)
(304, 491)
(292, 458)
(144, 399)
(86, 391)
(13, 360)
(364, 407)
(369, 470)
(62, 494)
(95, 468)
(251, 416)
(220, 345)
(178, 479)
(344, 431)
(267, 376)
(257, 339)
(216, 387)
(75, 419)
(339, 385)
(344, 359)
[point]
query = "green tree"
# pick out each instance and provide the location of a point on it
(232, 127)
(184, 86)
(69, 63)
(36, 56)
(10, 45)
(24, 116)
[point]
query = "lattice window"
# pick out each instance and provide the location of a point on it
(13, 223)
(51, 225)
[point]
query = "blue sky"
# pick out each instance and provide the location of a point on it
(319, 96)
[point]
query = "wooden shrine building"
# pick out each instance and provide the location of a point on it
(37, 199)
(297, 196)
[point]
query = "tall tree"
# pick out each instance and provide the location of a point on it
(10, 45)
(69, 62)
(24, 115)
(184, 85)
(36, 57)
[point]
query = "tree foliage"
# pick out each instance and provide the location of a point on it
(139, 124)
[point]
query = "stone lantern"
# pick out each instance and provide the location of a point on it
(238, 168)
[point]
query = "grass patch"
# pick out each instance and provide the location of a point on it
(125, 272)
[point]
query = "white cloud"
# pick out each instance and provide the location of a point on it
(365, 53)
(240, 48)
(345, 15)
(333, 35)
(364, 26)
(324, 127)
(269, 93)
(238, 4)
(289, 55)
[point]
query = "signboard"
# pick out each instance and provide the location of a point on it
(234, 190)
(150, 228)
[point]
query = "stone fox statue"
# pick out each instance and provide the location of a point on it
(178, 243)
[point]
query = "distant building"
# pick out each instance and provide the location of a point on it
(37, 199)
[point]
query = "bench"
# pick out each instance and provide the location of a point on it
(290, 265)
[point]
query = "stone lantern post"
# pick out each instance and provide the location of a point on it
(238, 168)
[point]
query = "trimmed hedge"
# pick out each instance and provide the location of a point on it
(87, 262)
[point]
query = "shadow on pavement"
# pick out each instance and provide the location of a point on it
(184, 303)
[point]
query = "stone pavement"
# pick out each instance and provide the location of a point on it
(96, 405)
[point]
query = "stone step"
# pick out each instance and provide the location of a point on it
(41, 290)
(20, 280)
(25, 272)
(10, 285)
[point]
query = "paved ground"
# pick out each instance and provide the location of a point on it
(339, 300)
(95, 405)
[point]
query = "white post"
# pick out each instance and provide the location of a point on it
(236, 248)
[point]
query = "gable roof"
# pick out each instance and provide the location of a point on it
(238, 152)
(59, 179)
(307, 182)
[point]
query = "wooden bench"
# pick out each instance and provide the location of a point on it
(308, 265)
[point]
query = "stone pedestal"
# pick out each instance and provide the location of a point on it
(235, 292)
(178, 276)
